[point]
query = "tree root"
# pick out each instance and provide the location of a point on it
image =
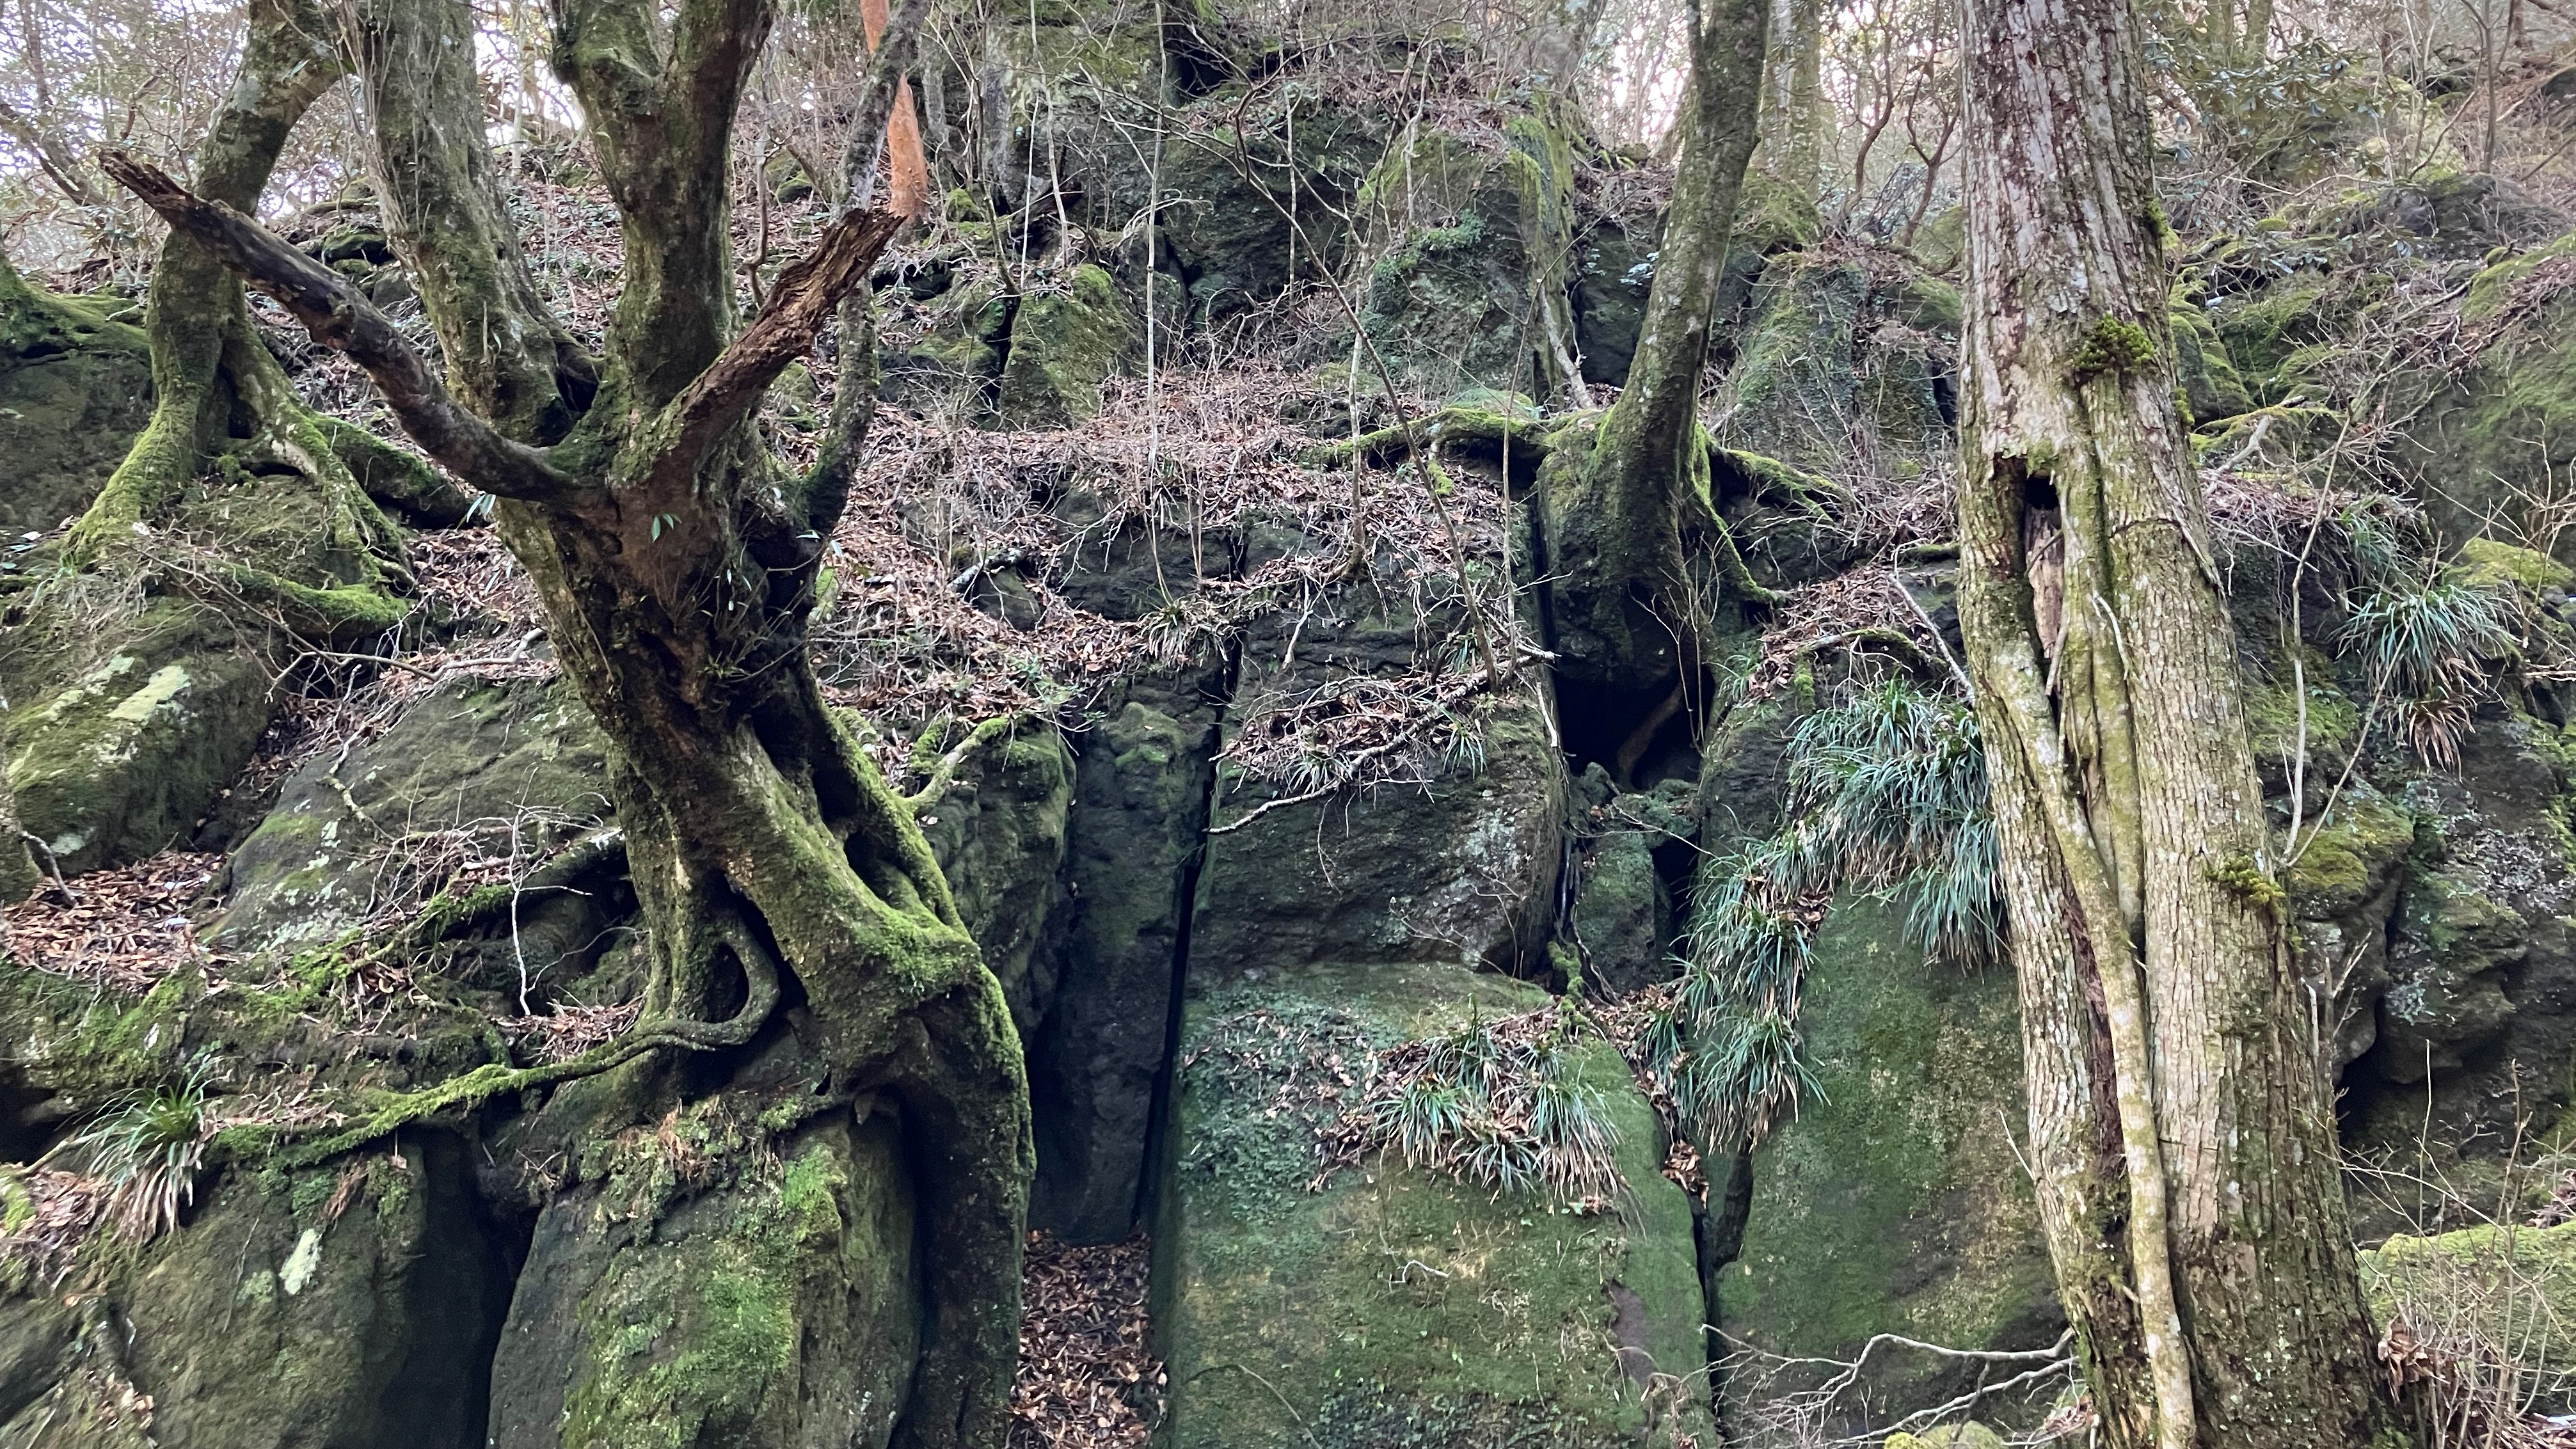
(1449, 427)
(472, 1089)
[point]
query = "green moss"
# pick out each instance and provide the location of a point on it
(1772, 215)
(2508, 1290)
(2493, 290)
(2263, 335)
(1063, 344)
(2272, 715)
(2487, 563)
(2348, 857)
(2212, 389)
(2241, 874)
(1392, 1307)
(1893, 1201)
(2113, 345)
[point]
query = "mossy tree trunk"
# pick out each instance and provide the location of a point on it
(677, 562)
(2182, 1134)
(1793, 113)
(216, 389)
(1625, 613)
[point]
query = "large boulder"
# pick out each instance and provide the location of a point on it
(1474, 236)
(1064, 341)
(75, 387)
(125, 757)
(1394, 1306)
(1893, 1202)
(711, 1283)
(1459, 867)
(999, 833)
(512, 768)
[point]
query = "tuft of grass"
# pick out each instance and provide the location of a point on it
(148, 1148)
(1887, 795)
(2431, 649)
(1495, 1104)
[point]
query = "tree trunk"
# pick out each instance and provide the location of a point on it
(2183, 1136)
(677, 563)
(1625, 615)
(1793, 117)
(210, 372)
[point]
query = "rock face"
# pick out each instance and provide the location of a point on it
(1475, 240)
(1394, 1307)
(772, 1309)
(511, 767)
(1893, 1202)
(1097, 1059)
(125, 758)
(74, 389)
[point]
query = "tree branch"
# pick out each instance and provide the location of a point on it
(341, 319)
(799, 304)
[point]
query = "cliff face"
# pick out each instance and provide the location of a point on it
(1275, 874)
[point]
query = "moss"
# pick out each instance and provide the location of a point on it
(2113, 346)
(1928, 304)
(2243, 875)
(2487, 563)
(1063, 343)
(773, 1293)
(1893, 1201)
(2212, 390)
(2262, 335)
(2332, 725)
(1392, 1307)
(2344, 863)
(2508, 1290)
(1772, 215)
(2495, 289)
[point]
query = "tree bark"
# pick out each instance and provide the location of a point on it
(677, 563)
(2183, 1136)
(211, 374)
(1793, 120)
(1627, 618)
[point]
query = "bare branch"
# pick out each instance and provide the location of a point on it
(341, 319)
(799, 304)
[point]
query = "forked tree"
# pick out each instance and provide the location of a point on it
(677, 561)
(2181, 1131)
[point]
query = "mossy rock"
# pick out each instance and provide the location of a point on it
(519, 762)
(75, 387)
(1971, 1435)
(775, 1308)
(1474, 240)
(1893, 1201)
(1063, 344)
(999, 834)
(2498, 1290)
(1813, 379)
(1393, 872)
(1141, 778)
(2490, 436)
(1392, 1306)
(2265, 333)
(2488, 563)
(126, 758)
(2211, 387)
(2447, 216)
(270, 1320)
